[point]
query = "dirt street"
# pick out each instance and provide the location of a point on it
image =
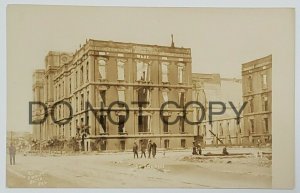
(175, 169)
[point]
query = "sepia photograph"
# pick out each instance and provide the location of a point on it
(148, 97)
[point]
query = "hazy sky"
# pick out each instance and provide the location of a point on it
(220, 39)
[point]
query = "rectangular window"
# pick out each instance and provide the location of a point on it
(102, 120)
(250, 83)
(181, 100)
(181, 124)
(121, 121)
(81, 75)
(204, 130)
(143, 97)
(165, 97)
(76, 78)
(252, 125)
(59, 90)
(142, 71)
(87, 71)
(180, 72)
(121, 95)
(251, 108)
(70, 127)
(265, 103)
(63, 89)
(164, 72)
(87, 120)
(102, 97)
(264, 81)
(76, 104)
(266, 125)
(102, 69)
(70, 86)
(165, 124)
(87, 96)
(183, 143)
(122, 145)
(143, 123)
(81, 102)
(121, 70)
(221, 129)
(166, 143)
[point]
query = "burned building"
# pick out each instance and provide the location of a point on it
(222, 129)
(125, 85)
(257, 92)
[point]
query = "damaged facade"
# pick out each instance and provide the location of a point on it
(257, 91)
(211, 87)
(102, 72)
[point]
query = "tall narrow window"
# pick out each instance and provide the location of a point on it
(87, 71)
(181, 124)
(164, 72)
(165, 97)
(59, 112)
(252, 125)
(249, 83)
(221, 129)
(102, 97)
(121, 95)
(59, 94)
(121, 126)
(251, 108)
(87, 96)
(143, 123)
(266, 125)
(70, 85)
(121, 69)
(81, 102)
(204, 130)
(81, 75)
(102, 124)
(76, 79)
(76, 104)
(180, 72)
(143, 97)
(142, 71)
(70, 128)
(166, 143)
(165, 124)
(264, 81)
(181, 99)
(102, 69)
(265, 103)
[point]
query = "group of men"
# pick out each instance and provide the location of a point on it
(151, 147)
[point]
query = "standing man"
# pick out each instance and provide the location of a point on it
(149, 148)
(199, 149)
(143, 149)
(135, 150)
(154, 149)
(12, 154)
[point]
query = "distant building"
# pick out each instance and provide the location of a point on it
(257, 91)
(211, 87)
(102, 72)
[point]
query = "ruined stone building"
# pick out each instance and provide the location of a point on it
(211, 87)
(141, 77)
(257, 91)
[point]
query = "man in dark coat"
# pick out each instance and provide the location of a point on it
(149, 148)
(12, 154)
(154, 149)
(135, 150)
(143, 149)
